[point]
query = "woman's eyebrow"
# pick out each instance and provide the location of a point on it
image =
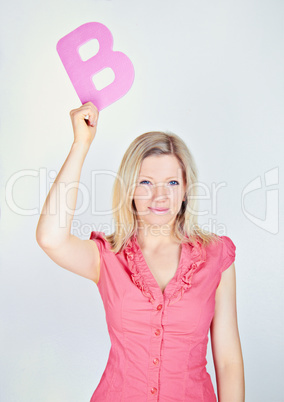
(167, 178)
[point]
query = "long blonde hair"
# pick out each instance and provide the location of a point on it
(186, 228)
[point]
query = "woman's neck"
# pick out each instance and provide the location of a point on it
(154, 237)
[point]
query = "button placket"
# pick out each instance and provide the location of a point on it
(155, 350)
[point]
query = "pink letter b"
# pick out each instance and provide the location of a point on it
(81, 72)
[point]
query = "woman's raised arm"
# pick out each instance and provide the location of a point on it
(53, 232)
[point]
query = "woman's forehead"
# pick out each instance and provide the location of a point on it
(161, 164)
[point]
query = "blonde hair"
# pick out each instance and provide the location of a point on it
(186, 228)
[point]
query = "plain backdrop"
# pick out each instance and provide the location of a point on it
(209, 71)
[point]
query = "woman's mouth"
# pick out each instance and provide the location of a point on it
(159, 211)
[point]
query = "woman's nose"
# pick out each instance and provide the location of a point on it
(160, 191)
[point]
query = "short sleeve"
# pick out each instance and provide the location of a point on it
(228, 253)
(102, 243)
(99, 238)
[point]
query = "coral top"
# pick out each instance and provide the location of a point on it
(159, 340)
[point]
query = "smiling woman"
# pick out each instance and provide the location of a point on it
(157, 172)
(163, 195)
(161, 277)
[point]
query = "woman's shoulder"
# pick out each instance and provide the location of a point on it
(226, 244)
(101, 240)
(217, 242)
(224, 250)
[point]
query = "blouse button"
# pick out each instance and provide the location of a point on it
(159, 307)
(153, 390)
(156, 361)
(157, 332)
(194, 265)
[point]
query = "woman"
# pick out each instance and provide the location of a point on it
(163, 281)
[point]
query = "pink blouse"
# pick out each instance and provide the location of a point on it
(159, 340)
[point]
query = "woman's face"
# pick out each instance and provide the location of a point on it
(160, 190)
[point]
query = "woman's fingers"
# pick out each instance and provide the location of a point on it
(84, 121)
(88, 111)
(88, 121)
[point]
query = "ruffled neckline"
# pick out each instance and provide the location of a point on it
(192, 257)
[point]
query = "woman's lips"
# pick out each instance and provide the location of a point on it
(159, 211)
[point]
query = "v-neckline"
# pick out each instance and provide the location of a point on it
(153, 279)
(192, 258)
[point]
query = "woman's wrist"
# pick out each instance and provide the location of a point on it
(82, 146)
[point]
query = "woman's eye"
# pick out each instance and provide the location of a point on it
(144, 181)
(148, 182)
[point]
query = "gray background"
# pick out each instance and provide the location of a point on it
(212, 72)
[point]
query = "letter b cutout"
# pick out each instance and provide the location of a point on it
(81, 72)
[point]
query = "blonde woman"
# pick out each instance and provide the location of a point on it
(164, 282)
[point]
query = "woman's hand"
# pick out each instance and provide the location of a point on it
(84, 122)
